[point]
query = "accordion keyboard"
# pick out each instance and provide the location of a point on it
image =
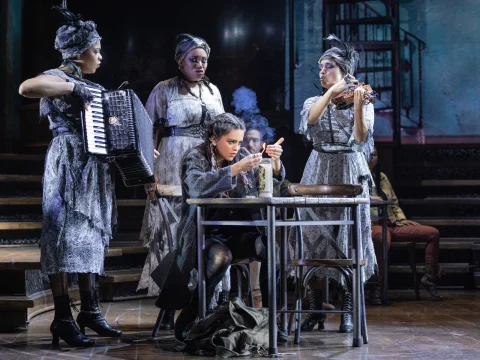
(96, 137)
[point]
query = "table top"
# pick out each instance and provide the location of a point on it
(295, 201)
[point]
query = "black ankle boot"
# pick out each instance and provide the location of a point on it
(91, 317)
(375, 292)
(168, 320)
(346, 321)
(63, 325)
(223, 298)
(311, 320)
(430, 279)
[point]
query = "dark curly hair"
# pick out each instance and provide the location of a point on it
(259, 123)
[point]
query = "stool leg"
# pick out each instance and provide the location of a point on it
(249, 284)
(158, 322)
(413, 266)
(364, 315)
(290, 322)
(298, 315)
(239, 283)
(165, 221)
(326, 297)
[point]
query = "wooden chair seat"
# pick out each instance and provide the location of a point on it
(326, 262)
(169, 190)
(344, 190)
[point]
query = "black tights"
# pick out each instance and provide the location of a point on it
(219, 256)
(59, 283)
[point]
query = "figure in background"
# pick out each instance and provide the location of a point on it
(79, 210)
(219, 167)
(257, 135)
(401, 229)
(179, 107)
(244, 102)
(339, 138)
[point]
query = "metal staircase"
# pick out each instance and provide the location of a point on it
(390, 59)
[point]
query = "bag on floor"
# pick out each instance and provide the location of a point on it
(232, 330)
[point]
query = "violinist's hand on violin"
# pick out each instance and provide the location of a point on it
(359, 96)
(340, 86)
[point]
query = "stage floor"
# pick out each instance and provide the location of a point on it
(407, 329)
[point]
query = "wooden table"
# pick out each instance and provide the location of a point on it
(271, 223)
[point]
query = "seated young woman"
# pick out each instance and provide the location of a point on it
(220, 167)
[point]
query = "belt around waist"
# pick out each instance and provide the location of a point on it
(63, 131)
(196, 131)
(320, 150)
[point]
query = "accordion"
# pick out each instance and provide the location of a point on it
(116, 126)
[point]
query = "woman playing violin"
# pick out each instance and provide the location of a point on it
(340, 139)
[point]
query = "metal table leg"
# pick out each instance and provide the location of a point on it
(357, 281)
(272, 282)
(283, 272)
(202, 301)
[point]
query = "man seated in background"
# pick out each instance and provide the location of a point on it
(400, 229)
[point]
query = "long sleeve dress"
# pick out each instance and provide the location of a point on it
(170, 109)
(79, 210)
(337, 158)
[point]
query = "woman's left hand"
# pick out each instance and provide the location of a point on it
(358, 96)
(150, 191)
(155, 154)
(274, 151)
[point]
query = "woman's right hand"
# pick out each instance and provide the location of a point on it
(340, 86)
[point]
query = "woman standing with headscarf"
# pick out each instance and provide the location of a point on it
(340, 139)
(179, 107)
(78, 191)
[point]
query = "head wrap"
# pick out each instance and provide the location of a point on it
(186, 43)
(347, 58)
(76, 35)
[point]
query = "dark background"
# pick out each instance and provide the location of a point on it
(246, 38)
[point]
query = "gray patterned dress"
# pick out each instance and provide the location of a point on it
(337, 158)
(78, 194)
(170, 108)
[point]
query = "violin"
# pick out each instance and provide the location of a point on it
(344, 100)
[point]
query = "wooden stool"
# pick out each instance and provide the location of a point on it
(343, 264)
(244, 271)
